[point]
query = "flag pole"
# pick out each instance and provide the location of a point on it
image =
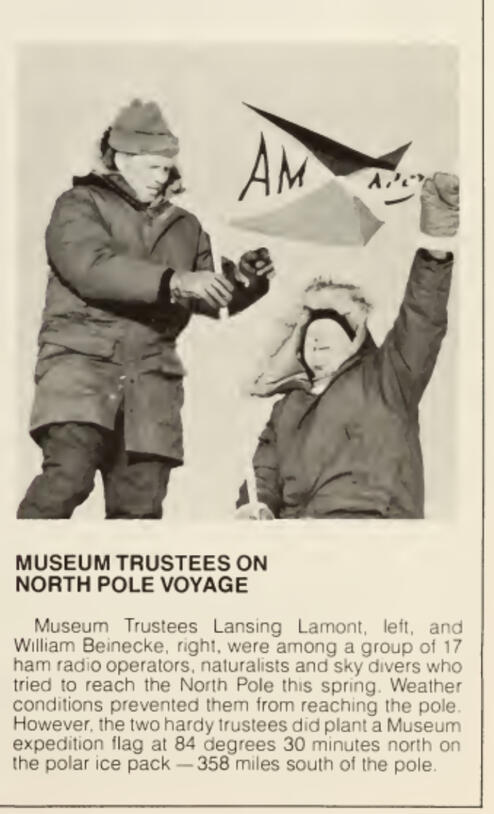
(217, 268)
(250, 476)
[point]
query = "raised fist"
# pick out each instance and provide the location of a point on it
(440, 205)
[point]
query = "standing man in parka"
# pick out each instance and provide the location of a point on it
(127, 270)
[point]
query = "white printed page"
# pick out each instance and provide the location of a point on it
(257, 637)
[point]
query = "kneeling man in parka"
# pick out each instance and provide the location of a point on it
(344, 440)
(128, 268)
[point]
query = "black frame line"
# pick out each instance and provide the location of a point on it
(247, 805)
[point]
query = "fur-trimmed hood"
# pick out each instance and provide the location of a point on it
(285, 370)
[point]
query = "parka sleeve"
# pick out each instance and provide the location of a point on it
(243, 296)
(266, 469)
(408, 354)
(81, 250)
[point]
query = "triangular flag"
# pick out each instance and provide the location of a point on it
(329, 216)
(337, 157)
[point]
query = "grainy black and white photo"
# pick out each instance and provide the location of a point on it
(238, 265)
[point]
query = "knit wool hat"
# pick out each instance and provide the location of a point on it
(140, 128)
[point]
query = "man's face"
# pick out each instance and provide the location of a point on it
(145, 173)
(326, 347)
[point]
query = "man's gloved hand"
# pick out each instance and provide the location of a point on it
(254, 511)
(212, 288)
(254, 263)
(440, 205)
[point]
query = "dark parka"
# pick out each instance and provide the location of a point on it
(106, 341)
(354, 449)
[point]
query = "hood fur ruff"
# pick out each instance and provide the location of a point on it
(284, 370)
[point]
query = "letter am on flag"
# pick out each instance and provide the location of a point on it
(329, 214)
